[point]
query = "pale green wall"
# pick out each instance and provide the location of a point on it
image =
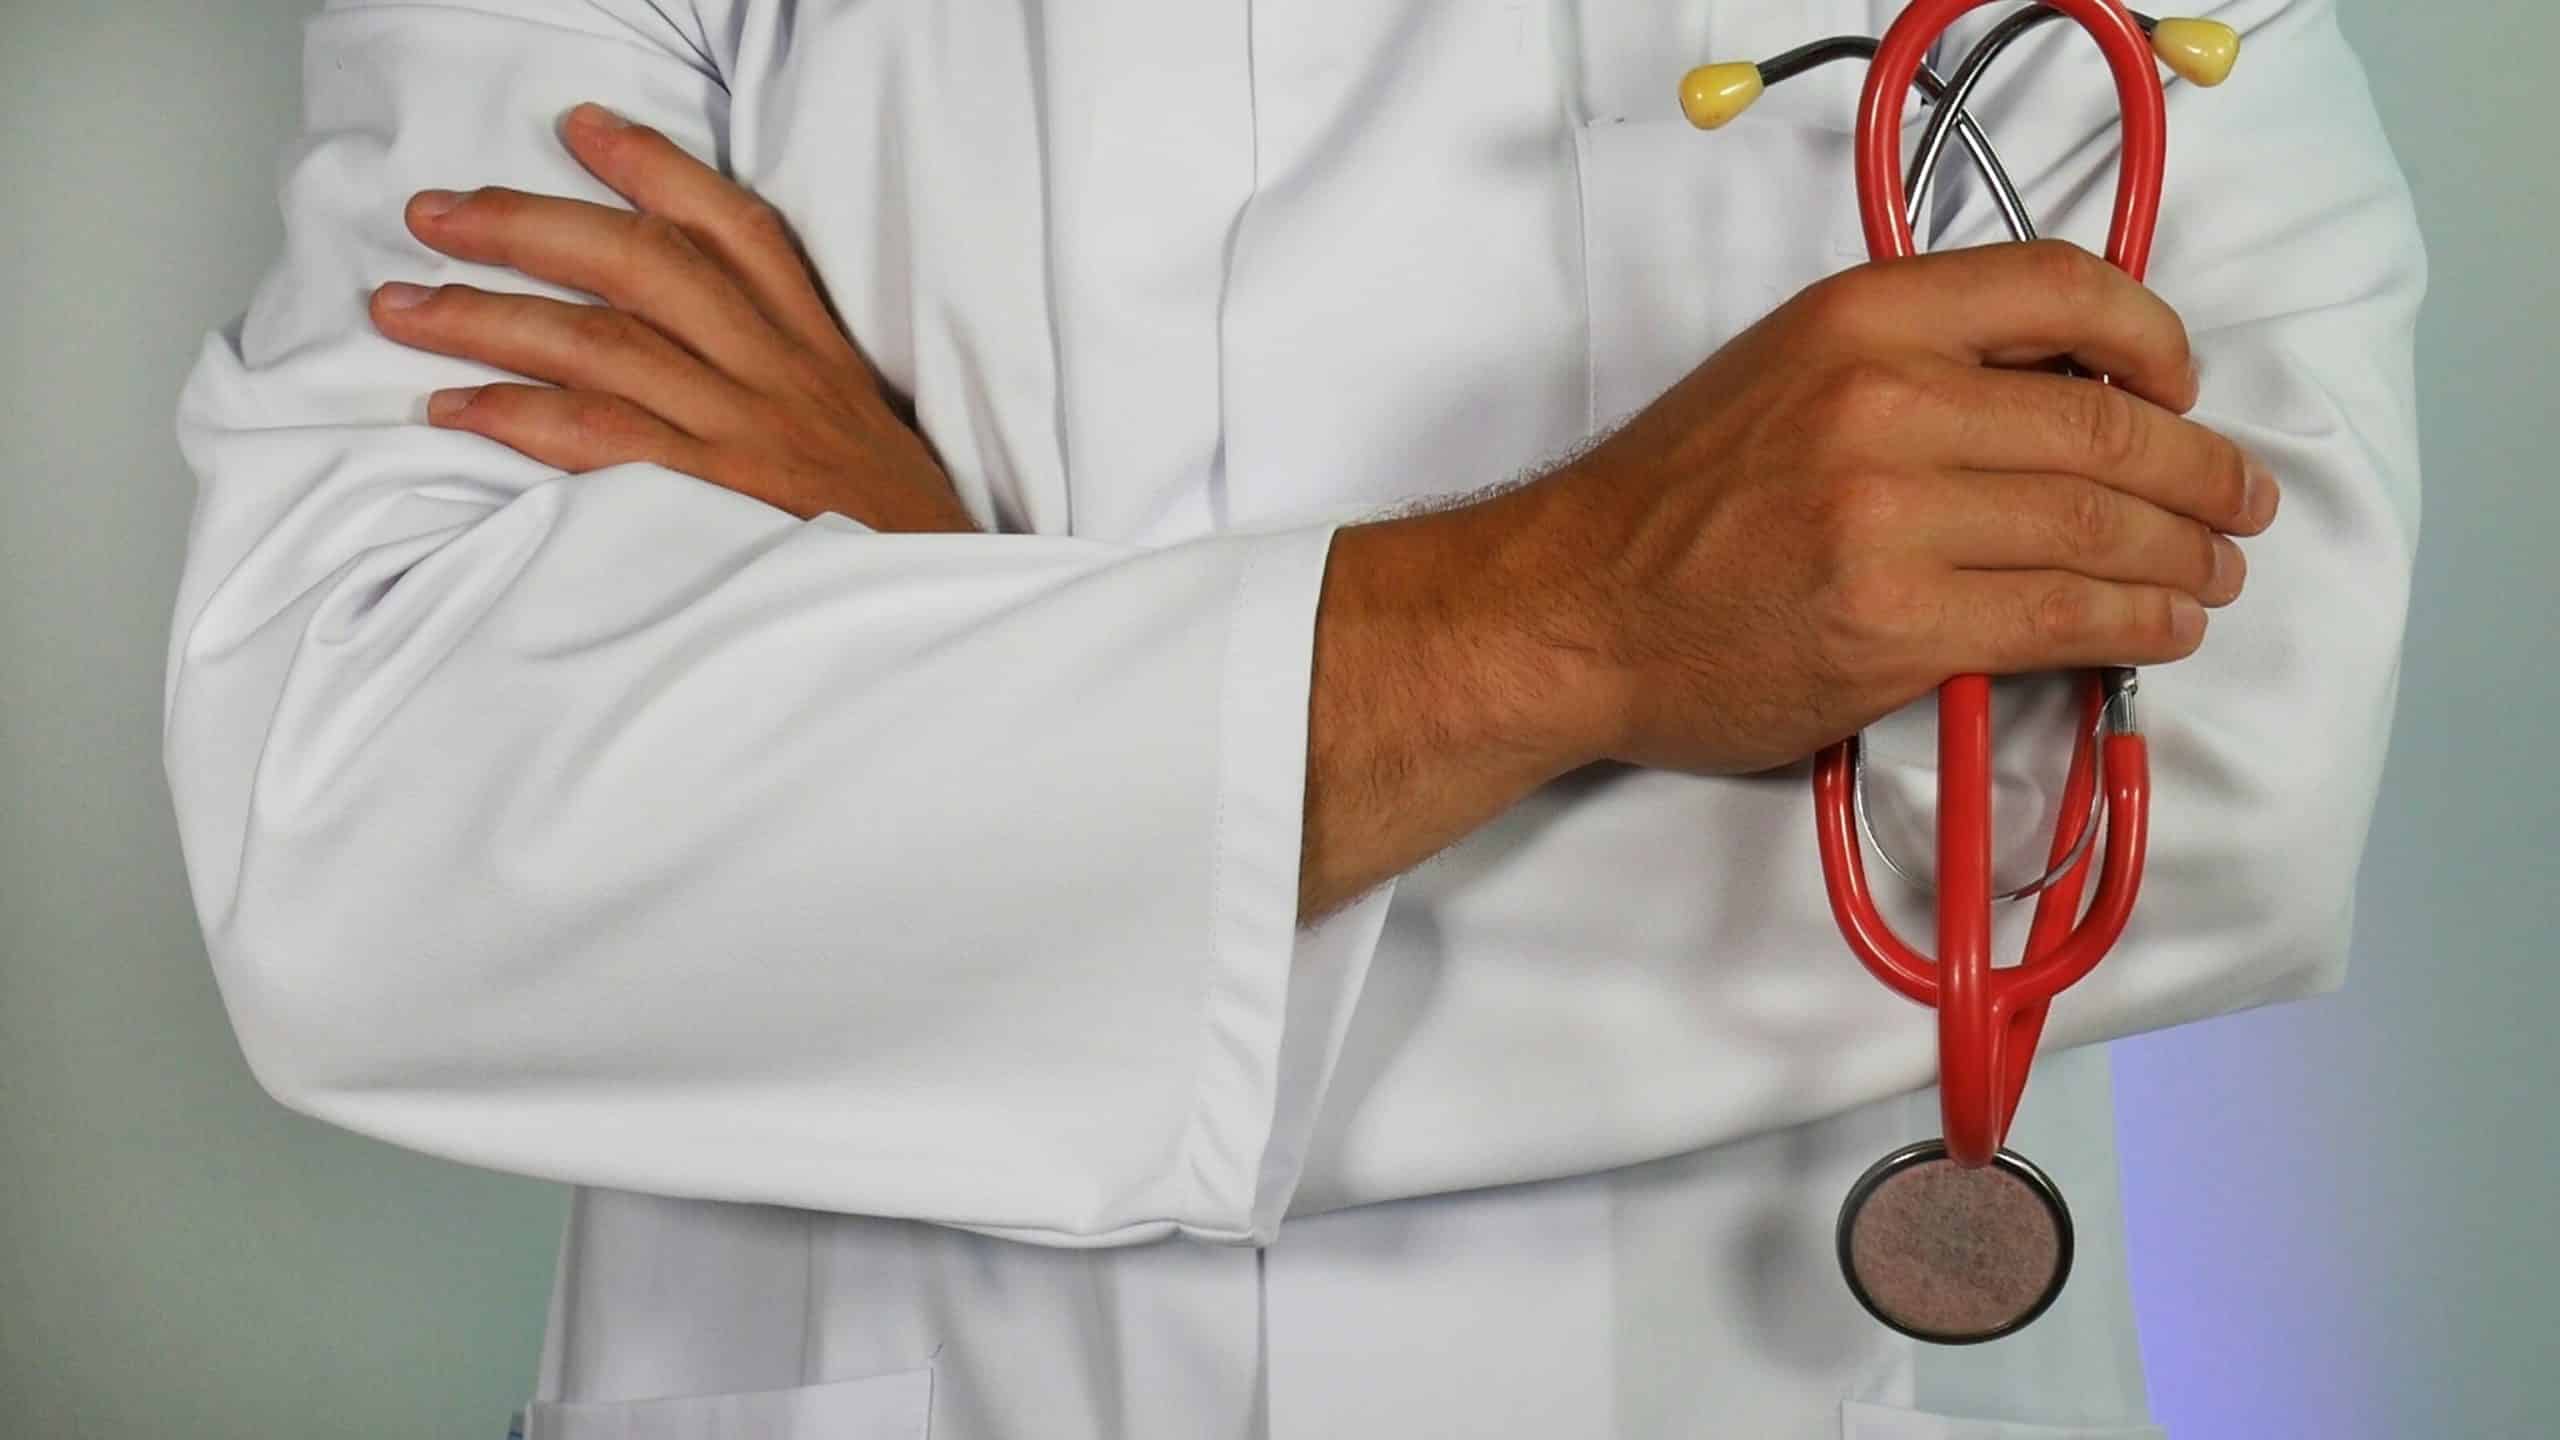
(2345, 1215)
(180, 1257)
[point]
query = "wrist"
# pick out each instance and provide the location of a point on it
(1494, 599)
(1539, 582)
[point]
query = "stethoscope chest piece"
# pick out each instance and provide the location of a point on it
(1950, 1254)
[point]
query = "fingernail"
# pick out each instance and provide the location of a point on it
(599, 116)
(2230, 572)
(2264, 495)
(2186, 621)
(443, 405)
(433, 203)
(400, 295)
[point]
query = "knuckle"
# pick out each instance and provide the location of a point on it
(600, 423)
(494, 405)
(1872, 609)
(1836, 303)
(494, 204)
(2059, 614)
(761, 222)
(1866, 396)
(2108, 426)
(2091, 523)
(649, 227)
(2062, 266)
(599, 327)
(657, 239)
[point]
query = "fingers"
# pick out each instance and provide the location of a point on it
(2020, 622)
(2021, 421)
(571, 430)
(2002, 521)
(580, 430)
(732, 224)
(581, 346)
(644, 264)
(2022, 304)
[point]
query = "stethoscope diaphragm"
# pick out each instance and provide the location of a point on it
(1950, 1254)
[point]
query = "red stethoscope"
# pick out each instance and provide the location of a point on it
(1960, 1240)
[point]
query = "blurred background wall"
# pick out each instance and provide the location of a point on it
(2342, 1211)
(2345, 1215)
(179, 1256)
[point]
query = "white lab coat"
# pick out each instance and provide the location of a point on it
(893, 936)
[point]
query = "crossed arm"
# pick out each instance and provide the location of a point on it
(1464, 656)
(622, 803)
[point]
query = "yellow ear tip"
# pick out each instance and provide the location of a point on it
(2201, 51)
(1712, 95)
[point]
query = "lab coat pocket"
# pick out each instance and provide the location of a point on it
(895, 1406)
(1690, 237)
(1860, 1420)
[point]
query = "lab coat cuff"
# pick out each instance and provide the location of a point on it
(1278, 1000)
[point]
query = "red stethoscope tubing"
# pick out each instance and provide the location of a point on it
(1989, 1021)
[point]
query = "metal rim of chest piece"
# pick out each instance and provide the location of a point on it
(1904, 1286)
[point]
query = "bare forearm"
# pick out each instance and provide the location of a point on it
(1441, 694)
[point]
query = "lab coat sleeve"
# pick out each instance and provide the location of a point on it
(617, 829)
(2289, 243)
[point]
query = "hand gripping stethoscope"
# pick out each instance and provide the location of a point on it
(1961, 1240)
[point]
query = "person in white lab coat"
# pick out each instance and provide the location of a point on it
(937, 860)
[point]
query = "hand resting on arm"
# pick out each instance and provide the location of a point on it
(1855, 499)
